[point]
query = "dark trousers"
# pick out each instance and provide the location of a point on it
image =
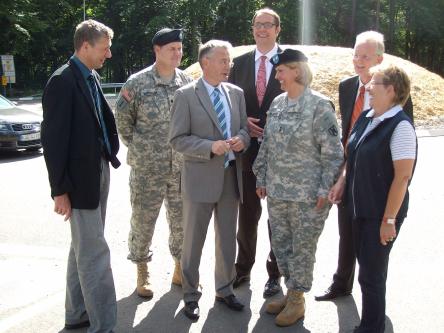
(249, 214)
(373, 259)
(345, 273)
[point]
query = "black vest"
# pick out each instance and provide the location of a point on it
(370, 169)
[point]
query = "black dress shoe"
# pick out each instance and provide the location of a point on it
(77, 326)
(231, 301)
(192, 310)
(240, 279)
(272, 287)
(331, 294)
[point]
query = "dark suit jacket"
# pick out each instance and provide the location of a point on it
(243, 75)
(71, 137)
(348, 88)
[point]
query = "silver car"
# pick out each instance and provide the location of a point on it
(19, 128)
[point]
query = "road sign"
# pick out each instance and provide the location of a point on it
(8, 67)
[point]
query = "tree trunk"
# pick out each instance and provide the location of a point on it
(352, 29)
(390, 43)
(378, 10)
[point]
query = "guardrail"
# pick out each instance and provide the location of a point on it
(115, 86)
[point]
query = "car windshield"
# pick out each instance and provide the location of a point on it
(5, 104)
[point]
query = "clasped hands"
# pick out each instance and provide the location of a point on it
(221, 147)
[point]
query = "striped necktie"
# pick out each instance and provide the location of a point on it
(220, 112)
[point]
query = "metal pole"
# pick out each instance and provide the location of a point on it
(84, 13)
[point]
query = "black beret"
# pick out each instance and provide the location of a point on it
(167, 35)
(288, 55)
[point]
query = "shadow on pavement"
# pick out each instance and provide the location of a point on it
(348, 315)
(221, 319)
(16, 156)
(161, 318)
(388, 325)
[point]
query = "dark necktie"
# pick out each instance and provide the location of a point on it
(95, 95)
(220, 112)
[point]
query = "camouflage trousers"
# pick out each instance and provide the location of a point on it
(147, 193)
(295, 230)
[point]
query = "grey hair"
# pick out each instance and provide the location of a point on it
(373, 37)
(205, 50)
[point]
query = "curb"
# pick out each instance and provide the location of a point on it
(424, 133)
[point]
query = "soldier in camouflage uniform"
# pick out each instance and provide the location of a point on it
(297, 164)
(143, 120)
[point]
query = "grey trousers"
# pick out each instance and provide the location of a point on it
(90, 293)
(197, 216)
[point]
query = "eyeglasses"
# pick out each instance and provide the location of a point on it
(266, 25)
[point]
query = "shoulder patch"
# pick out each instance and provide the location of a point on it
(332, 130)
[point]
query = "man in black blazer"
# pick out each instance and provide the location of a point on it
(368, 52)
(79, 139)
(266, 28)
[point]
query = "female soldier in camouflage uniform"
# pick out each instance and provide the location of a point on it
(297, 164)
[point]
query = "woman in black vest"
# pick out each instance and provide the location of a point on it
(381, 157)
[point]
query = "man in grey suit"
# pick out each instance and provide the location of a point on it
(209, 127)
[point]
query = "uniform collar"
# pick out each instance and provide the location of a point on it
(174, 82)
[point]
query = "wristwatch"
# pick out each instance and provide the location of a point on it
(389, 220)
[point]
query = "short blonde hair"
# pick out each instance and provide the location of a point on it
(306, 75)
(395, 76)
(373, 37)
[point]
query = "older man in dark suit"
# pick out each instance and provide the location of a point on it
(209, 127)
(353, 99)
(79, 138)
(254, 73)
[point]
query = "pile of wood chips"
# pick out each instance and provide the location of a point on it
(332, 64)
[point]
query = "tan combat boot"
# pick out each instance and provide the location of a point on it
(143, 284)
(276, 307)
(177, 275)
(294, 309)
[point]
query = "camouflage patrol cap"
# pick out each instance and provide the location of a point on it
(167, 35)
(288, 55)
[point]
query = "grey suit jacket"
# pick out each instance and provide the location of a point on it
(194, 127)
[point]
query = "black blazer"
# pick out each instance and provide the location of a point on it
(348, 88)
(243, 75)
(71, 137)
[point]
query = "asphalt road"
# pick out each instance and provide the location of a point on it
(34, 246)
